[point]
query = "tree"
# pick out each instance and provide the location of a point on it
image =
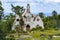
(41, 15)
(10, 20)
(54, 13)
(2, 25)
(17, 9)
(50, 22)
(1, 11)
(21, 23)
(0, 3)
(2, 34)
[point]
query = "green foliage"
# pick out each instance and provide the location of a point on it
(41, 15)
(1, 11)
(1, 8)
(50, 22)
(37, 28)
(54, 13)
(10, 38)
(21, 22)
(13, 31)
(17, 9)
(33, 29)
(2, 31)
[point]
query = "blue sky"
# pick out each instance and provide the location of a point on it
(36, 6)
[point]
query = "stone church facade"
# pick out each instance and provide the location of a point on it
(30, 20)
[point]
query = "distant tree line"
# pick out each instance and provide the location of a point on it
(51, 21)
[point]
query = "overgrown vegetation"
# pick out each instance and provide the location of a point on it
(51, 23)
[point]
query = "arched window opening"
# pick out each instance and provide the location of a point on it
(17, 19)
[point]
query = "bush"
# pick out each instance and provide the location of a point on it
(13, 31)
(33, 29)
(37, 28)
(10, 38)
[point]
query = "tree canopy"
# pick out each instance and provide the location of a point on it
(17, 9)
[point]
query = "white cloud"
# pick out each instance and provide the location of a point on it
(36, 5)
(16, 0)
(52, 0)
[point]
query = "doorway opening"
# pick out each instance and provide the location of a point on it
(28, 27)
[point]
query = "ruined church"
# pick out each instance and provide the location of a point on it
(30, 20)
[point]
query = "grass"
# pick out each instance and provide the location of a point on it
(46, 32)
(58, 38)
(35, 35)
